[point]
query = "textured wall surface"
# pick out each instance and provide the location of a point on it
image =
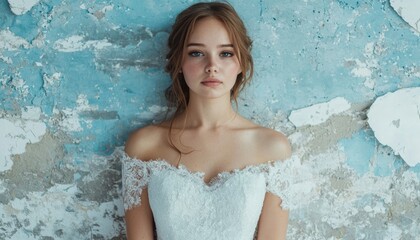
(77, 76)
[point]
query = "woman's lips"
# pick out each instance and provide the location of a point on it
(211, 83)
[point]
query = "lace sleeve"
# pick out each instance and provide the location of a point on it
(135, 177)
(279, 181)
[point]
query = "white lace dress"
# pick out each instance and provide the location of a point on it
(186, 208)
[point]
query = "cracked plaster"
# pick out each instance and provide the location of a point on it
(20, 7)
(318, 113)
(14, 135)
(92, 72)
(395, 120)
(409, 10)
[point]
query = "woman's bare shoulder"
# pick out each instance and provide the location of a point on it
(276, 144)
(272, 145)
(142, 142)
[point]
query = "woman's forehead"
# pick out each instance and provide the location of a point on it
(209, 31)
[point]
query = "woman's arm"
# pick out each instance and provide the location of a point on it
(273, 220)
(139, 220)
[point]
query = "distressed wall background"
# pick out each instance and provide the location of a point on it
(77, 76)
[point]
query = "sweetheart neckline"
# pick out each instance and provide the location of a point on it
(216, 179)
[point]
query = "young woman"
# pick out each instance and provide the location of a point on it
(206, 173)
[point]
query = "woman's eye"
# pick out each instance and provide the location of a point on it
(195, 54)
(226, 54)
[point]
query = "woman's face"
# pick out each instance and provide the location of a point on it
(210, 66)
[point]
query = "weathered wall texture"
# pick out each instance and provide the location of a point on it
(77, 76)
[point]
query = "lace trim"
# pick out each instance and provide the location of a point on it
(136, 175)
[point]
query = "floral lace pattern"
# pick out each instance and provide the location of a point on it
(136, 176)
(186, 207)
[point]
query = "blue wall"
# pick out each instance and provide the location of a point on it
(77, 76)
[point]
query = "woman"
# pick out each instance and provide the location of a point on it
(207, 173)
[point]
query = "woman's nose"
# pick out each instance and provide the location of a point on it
(212, 66)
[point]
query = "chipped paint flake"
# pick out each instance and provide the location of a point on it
(31, 113)
(7, 60)
(319, 113)
(20, 85)
(69, 118)
(395, 120)
(9, 41)
(66, 222)
(83, 103)
(361, 70)
(20, 7)
(53, 79)
(409, 10)
(76, 43)
(14, 135)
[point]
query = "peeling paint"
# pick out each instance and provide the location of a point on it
(10, 42)
(14, 135)
(83, 74)
(398, 128)
(319, 113)
(57, 207)
(76, 43)
(20, 7)
(409, 10)
(52, 80)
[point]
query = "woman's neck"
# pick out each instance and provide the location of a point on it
(209, 113)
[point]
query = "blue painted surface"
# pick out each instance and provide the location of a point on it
(385, 162)
(359, 150)
(311, 45)
(304, 54)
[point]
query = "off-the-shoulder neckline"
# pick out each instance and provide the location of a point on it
(201, 175)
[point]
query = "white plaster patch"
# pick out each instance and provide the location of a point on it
(9, 41)
(365, 69)
(409, 10)
(20, 7)
(20, 85)
(361, 70)
(69, 119)
(31, 113)
(76, 43)
(53, 79)
(319, 113)
(395, 120)
(7, 60)
(14, 135)
(60, 210)
(83, 103)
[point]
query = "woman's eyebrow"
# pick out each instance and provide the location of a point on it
(203, 45)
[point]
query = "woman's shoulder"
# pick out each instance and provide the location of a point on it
(143, 141)
(272, 145)
(275, 144)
